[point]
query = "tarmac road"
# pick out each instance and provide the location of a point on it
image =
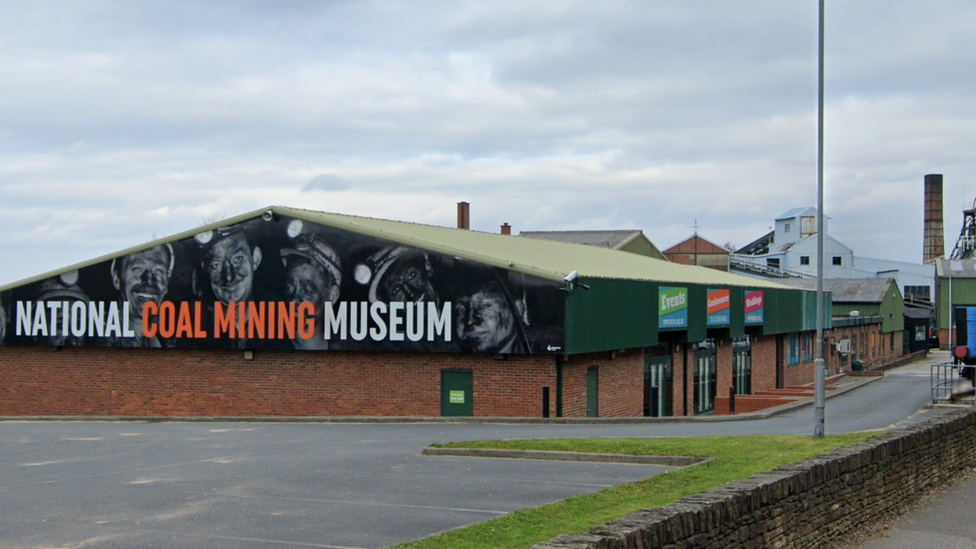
(131, 484)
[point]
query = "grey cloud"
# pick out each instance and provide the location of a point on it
(546, 115)
(326, 182)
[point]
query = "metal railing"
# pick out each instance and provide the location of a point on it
(945, 379)
(759, 266)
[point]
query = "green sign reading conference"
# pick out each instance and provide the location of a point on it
(673, 307)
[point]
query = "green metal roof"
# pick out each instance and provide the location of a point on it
(543, 258)
(546, 259)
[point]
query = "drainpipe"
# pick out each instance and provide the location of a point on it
(684, 380)
(559, 385)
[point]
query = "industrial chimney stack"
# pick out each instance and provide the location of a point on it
(464, 215)
(933, 245)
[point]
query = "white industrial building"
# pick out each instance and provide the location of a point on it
(790, 250)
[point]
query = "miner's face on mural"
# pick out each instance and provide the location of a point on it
(313, 272)
(407, 279)
(484, 322)
(143, 277)
(308, 281)
(231, 264)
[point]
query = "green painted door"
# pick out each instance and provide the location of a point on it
(456, 393)
(592, 392)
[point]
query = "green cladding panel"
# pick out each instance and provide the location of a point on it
(792, 311)
(612, 314)
(697, 313)
(810, 310)
(624, 314)
(893, 310)
(642, 246)
(963, 295)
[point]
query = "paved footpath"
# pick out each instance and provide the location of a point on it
(944, 522)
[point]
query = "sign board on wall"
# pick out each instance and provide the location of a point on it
(672, 307)
(719, 307)
(281, 283)
(755, 305)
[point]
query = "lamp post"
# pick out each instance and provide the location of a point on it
(820, 374)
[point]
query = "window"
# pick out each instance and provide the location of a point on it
(837, 260)
(918, 293)
(786, 228)
(794, 349)
(807, 347)
(804, 260)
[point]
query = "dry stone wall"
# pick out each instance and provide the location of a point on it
(808, 504)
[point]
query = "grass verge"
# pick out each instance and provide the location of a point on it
(734, 458)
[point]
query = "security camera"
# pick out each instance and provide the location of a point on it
(571, 277)
(268, 215)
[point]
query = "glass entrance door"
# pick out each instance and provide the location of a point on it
(657, 386)
(706, 374)
(742, 365)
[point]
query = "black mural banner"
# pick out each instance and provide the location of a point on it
(284, 283)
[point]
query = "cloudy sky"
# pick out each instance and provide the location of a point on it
(121, 121)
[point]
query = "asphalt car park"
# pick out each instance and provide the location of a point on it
(125, 484)
(132, 484)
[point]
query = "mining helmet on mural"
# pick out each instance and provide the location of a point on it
(61, 287)
(211, 237)
(314, 249)
(397, 273)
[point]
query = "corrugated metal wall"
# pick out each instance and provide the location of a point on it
(642, 246)
(623, 314)
(963, 294)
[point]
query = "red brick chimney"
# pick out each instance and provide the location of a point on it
(506, 229)
(464, 216)
(933, 238)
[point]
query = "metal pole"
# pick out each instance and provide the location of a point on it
(820, 385)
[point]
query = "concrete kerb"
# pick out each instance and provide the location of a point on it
(676, 462)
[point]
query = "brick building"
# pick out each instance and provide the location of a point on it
(288, 312)
(696, 250)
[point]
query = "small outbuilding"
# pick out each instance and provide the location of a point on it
(696, 250)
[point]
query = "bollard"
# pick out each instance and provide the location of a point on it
(545, 402)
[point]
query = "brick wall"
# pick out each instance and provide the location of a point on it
(143, 382)
(880, 348)
(620, 385)
(574, 387)
(724, 367)
(763, 363)
(679, 367)
(808, 504)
